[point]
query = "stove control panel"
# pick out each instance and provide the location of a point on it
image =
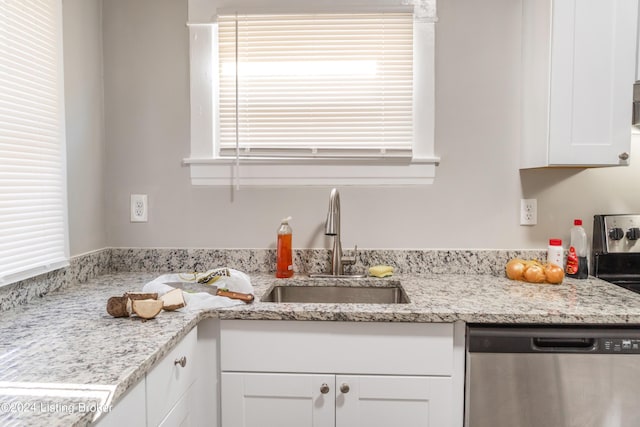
(622, 233)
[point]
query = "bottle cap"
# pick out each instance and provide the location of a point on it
(577, 222)
(555, 242)
(286, 220)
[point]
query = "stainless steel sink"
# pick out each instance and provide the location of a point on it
(336, 294)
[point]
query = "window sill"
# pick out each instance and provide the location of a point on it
(312, 172)
(33, 272)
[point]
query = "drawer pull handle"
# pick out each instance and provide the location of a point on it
(344, 388)
(182, 361)
(324, 388)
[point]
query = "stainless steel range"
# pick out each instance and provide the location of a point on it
(616, 249)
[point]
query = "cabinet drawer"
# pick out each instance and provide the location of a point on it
(336, 347)
(169, 381)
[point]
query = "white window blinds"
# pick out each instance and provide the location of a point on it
(315, 85)
(33, 236)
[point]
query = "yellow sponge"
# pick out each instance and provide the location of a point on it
(381, 270)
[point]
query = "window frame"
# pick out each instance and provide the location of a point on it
(207, 167)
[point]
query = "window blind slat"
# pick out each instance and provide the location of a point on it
(32, 158)
(317, 83)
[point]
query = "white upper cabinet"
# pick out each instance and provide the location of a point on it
(579, 65)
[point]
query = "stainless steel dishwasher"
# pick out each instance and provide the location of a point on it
(552, 377)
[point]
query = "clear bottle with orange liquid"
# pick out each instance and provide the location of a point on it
(284, 257)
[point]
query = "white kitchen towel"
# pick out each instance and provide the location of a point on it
(237, 281)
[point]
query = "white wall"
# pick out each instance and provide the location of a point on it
(474, 202)
(82, 20)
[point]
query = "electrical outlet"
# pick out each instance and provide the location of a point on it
(139, 208)
(528, 211)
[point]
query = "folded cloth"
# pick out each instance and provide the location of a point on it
(236, 281)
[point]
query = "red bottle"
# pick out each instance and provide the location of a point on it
(284, 257)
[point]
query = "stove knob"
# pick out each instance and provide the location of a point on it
(616, 233)
(633, 233)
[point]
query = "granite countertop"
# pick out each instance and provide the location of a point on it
(66, 344)
(454, 297)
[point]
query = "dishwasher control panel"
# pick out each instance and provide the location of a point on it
(619, 345)
(568, 340)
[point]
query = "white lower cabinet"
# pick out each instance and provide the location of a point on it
(245, 373)
(284, 400)
(343, 374)
(181, 414)
(299, 400)
(382, 401)
(170, 380)
(130, 410)
(180, 391)
(186, 396)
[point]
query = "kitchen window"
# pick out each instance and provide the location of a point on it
(290, 93)
(33, 205)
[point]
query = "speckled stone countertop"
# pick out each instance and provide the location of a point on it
(66, 339)
(454, 297)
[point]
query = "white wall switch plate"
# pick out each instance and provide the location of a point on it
(139, 208)
(528, 211)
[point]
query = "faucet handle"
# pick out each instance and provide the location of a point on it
(351, 260)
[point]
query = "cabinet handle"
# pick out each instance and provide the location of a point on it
(344, 388)
(324, 388)
(182, 361)
(624, 156)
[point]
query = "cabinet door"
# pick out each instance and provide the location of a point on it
(282, 400)
(593, 55)
(181, 415)
(129, 410)
(379, 401)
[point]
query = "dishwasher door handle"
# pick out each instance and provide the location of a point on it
(575, 344)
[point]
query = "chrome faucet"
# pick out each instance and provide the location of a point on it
(332, 228)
